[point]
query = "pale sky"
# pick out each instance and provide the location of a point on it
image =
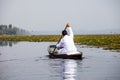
(50, 16)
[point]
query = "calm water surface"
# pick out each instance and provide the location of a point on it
(28, 61)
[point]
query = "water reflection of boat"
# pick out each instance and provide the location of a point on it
(69, 69)
(76, 55)
(64, 69)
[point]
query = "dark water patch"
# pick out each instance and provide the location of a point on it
(8, 43)
(9, 60)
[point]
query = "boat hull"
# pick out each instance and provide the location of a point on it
(66, 56)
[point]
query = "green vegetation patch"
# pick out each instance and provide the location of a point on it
(111, 42)
(30, 38)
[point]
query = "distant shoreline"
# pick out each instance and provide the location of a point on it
(107, 41)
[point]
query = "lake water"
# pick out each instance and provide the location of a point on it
(28, 61)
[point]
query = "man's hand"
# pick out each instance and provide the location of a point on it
(68, 25)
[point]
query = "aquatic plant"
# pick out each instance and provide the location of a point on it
(110, 41)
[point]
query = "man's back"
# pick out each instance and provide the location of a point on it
(67, 43)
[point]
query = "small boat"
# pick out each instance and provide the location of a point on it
(76, 55)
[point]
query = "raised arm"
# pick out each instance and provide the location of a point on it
(69, 30)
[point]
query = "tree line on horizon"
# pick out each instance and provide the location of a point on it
(11, 30)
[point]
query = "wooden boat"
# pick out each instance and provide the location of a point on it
(77, 55)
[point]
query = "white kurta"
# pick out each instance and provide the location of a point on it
(67, 43)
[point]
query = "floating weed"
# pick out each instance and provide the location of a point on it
(111, 42)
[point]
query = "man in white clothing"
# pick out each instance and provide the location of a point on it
(66, 43)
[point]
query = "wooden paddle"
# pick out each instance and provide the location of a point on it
(59, 39)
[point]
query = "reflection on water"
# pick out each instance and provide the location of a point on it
(69, 69)
(65, 68)
(7, 43)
